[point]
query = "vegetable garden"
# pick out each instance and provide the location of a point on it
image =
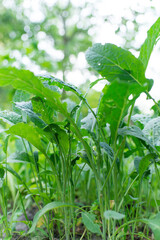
(89, 176)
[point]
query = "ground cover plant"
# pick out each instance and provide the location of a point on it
(93, 176)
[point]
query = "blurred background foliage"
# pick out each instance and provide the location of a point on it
(52, 36)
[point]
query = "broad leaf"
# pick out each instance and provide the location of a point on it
(114, 63)
(142, 163)
(10, 117)
(27, 81)
(143, 119)
(57, 134)
(127, 76)
(152, 131)
(30, 133)
(109, 214)
(27, 108)
(154, 224)
(88, 122)
(43, 109)
(114, 105)
(147, 47)
(135, 131)
(88, 220)
(21, 79)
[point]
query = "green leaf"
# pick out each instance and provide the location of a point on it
(135, 131)
(48, 207)
(88, 220)
(152, 131)
(57, 134)
(88, 121)
(154, 224)
(10, 117)
(27, 81)
(143, 119)
(142, 163)
(21, 79)
(92, 84)
(52, 81)
(127, 76)
(63, 85)
(115, 63)
(30, 133)
(147, 47)
(107, 149)
(114, 104)
(27, 108)
(19, 157)
(114, 215)
(12, 171)
(2, 172)
(43, 109)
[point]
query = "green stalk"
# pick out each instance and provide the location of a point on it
(113, 163)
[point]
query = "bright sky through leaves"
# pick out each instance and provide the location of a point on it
(103, 32)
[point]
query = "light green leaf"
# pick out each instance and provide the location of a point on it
(21, 79)
(147, 47)
(88, 121)
(154, 224)
(92, 84)
(27, 81)
(57, 134)
(27, 108)
(12, 171)
(63, 85)
(114, 215)
(88, 220)
(30, 133)
(144, 163)
(141, 118)
(10, 117)
(48, 207)
(114, 104)
(152, 131)
(19, 157)
(126, 76)
(115, 63)
(107, 149)
(135, 132)
(43, 108)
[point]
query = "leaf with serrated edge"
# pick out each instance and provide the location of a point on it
(114, 63)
